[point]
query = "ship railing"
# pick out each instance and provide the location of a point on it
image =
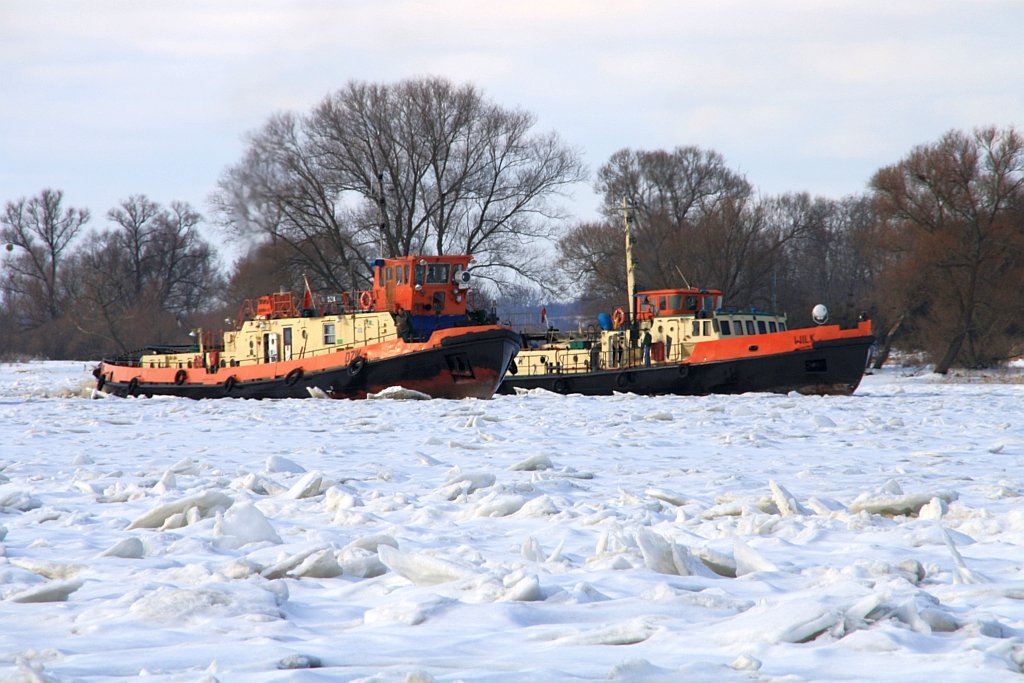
(300, 353)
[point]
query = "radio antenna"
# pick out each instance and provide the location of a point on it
(682, 276)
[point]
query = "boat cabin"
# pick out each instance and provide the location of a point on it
(667, 302)
(432, 289)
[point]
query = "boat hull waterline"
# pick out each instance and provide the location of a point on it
(455, 364)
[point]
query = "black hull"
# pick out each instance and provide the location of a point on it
(469, 365)
(830, 368)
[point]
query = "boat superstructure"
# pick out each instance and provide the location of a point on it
(411, 328)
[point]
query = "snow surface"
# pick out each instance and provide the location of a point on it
(525, 538)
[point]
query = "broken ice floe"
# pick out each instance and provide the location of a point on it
(206, 503)
(399, 394)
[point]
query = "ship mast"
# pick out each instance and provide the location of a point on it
(630, 262)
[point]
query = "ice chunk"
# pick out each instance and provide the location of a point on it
(533, 464)
(629, 633)
(746, 663)
(409, 613)
(292, 562)
(824, 422)
(541, 506)
(785, 501)
(185, 466)
(167, 483)
(666, 557)
(423, 570)
(361, 563)
(243, 524)
(749, 560)
(934, 509)
(824, 506)
(128, 548)
(498, 505)
(299, 661)
(891, 505)
(206, 502)
(719, 563)
(372, 542)
(279, 463)
(399, 394)
(460, 483)
(309, 485)
(642, 670)
(52, 591)
(527, 589)
(963, 574)
(320, 565)
(19, 500)
(339, 499)
(668, 496)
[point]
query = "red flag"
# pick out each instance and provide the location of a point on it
(307, 298)
(543, 315)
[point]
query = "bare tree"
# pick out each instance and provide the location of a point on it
(140, 278)
(951, 211)
(43, 230)
(694, 219)
(414, 167)
(828, 260)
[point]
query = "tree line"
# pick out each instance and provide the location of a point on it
(932, 249)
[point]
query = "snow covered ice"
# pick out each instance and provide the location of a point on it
(526, 538)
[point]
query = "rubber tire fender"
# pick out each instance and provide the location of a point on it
(293, 376)
(180, 377)
(356, 366)
(133, 386)
(229, 384)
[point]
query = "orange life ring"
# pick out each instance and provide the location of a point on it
(366, 300)
(619, 317)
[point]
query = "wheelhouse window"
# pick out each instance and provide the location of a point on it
(726, 328)
(691, 303)
(437, 273)
(750, 327)
(696, 328)
(707, 328)
(329, 337)
(782, 326)
(761, 327)
(737, 327)
(675, 302)
(772, 327)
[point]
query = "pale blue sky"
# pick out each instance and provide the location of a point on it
(105, 98)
